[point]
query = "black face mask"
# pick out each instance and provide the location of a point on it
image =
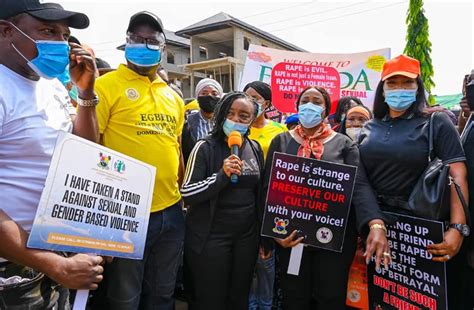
(208, 103)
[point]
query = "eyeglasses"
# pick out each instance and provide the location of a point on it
(151, 44)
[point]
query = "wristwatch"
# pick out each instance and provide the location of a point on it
(462, 228)
(88, 102)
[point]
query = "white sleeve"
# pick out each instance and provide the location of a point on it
(2, 114)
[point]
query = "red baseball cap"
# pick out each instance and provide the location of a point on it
(401, 65)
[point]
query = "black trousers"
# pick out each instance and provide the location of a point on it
(460, 282)
(222, 272)
(322, 280)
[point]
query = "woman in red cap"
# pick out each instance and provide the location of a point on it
(394, 150)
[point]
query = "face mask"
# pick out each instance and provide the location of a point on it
(208, 103)
(140, 55)
(65, 79)
(52, 59)
(310, 115)
(73, 93)
(400, 99)
(354, 133)
(230, 126)
(260, 108)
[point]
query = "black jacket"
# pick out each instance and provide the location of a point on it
(340, 149)
(203, 181)
(188, 138)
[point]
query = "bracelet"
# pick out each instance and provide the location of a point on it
(88, 102)
(379, 226)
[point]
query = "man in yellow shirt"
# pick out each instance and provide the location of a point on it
(263, 131)
(142, 117)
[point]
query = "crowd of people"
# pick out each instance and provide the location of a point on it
(49, 82)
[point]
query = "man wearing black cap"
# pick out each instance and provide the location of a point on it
(34, 106)
(141, 116)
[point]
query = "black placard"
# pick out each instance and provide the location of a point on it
(310, 195)
(413, 280)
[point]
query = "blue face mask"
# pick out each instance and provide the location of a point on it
(65, 79)
(230, 126)
(310, 115)
(140, 55)
(52, 59)
(260, 109)
(400, 99)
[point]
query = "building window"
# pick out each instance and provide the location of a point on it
(246, 43)
(170, 58)
(202, 52)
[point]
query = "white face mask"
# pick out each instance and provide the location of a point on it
(354, 133)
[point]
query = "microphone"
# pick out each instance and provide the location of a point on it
(234, 141)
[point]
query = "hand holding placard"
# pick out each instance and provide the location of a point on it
(95, 200)
(80, 271)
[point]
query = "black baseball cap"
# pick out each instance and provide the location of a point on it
(44, 11)
(147, 18)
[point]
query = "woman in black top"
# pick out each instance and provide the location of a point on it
(221, 241)
(323, 274)
(394, 148)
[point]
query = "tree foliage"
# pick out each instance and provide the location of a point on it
(418, 44)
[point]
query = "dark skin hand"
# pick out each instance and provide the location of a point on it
(450, 246)
(377, 244)
(289, 241)
(82, 69)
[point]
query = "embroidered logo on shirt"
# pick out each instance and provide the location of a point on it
(132, 94)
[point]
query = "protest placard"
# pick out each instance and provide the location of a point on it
(309, 195)
(95, 200)
(413, 280)
(288, 80)
(359, 72)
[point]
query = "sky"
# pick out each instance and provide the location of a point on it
(341, 26)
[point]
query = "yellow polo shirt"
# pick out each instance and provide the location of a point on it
(193, 105)
(265, 135)
(144, 120)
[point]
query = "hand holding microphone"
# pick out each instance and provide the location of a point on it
(232, 164)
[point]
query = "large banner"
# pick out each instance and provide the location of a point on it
(95, 200)
(309, 195)
(359, 72)
(413, 280)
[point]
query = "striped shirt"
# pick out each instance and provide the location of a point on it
(204, 127)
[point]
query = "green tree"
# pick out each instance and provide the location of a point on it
(418, 44)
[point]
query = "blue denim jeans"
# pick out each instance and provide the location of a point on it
(261, 292)
(149, 283)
